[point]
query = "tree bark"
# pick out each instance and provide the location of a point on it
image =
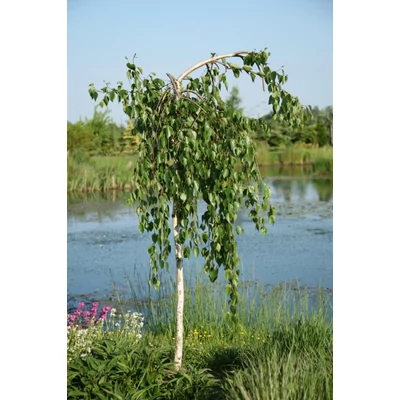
(180, 295)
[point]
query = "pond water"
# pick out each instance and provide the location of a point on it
(107, 254)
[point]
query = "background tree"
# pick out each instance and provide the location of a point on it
(234, 101)
(329, 122)
(79, 136)
(115, 134)
(99, 135)
(102, 141)
(130, 139)
(315, 131)
(322, 135)
(193, 146)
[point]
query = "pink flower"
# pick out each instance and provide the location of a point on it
(71, 319)
(82, 318)
(103, 314)
(93, 310)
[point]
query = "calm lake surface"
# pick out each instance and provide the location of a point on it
(107, 254)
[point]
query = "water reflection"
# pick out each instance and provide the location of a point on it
(324, 188)
(297, 188)
(292, 171)
(289, 190)
(99, 206)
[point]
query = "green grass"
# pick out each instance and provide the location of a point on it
(281, 348)
(91, 174)
(296, 155)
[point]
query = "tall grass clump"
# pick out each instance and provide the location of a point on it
(268, 373)
(91, 174)
(297, 154)
(323, 162)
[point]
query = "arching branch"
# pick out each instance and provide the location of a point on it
(208, 61)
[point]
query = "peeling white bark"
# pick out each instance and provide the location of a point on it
(180, 296)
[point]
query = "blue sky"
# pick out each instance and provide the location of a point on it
(171, 36)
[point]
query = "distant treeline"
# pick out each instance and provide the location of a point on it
(318, 131)
(101, 136)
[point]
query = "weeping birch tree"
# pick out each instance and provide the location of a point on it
(194, 147)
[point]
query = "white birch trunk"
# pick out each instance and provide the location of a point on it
(180, 296)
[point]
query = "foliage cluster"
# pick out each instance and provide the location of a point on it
(191, 143)
(316, 131)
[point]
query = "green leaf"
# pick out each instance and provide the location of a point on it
(128, 111)
(186, 252)
(94, 95)
(239, 230)
(233, 66)
(228, 274)
(226, 84)
(169, 131)
(213, 275)
(152, 249)
(183, 197)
